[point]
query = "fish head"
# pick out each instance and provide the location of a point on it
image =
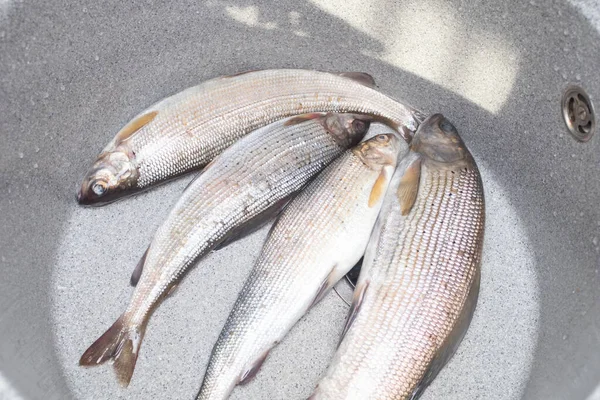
(347, 129)
(113, 173)
(379, 151)
(437, 139)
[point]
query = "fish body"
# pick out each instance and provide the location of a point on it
(186, 131)
(257, 174)
(419, 282)
(320, 235)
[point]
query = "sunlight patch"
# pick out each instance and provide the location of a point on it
(430, 39)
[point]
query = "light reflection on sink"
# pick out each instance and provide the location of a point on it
(72, 75)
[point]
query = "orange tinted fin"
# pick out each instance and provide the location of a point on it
(134, 125)
(302, 118)
(409, 186)
(378, 189)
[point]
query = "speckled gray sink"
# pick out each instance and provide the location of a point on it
(72, 73)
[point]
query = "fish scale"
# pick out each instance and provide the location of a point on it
(261, 97)
(198, 198)
(316, 240)
(188, 130)
(417, 289)
(258, 173)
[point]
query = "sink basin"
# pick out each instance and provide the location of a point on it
(71, 75)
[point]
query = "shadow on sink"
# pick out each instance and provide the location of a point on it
(74, 75)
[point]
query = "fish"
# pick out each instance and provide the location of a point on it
(319, 236)
(186, 131)
(248, 182)
(419, 282)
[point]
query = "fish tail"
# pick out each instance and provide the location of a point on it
(120, 343)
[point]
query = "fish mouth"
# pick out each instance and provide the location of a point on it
(81, 200)
(86, 196)
(112, 176)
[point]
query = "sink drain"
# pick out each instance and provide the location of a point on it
(578, 113)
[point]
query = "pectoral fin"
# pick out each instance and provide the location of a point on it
(134, 125)
(378, 189)
(409, 186)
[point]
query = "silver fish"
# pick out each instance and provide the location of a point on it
(257, 174)
(319, 237)
(419, 283)
(186, 131)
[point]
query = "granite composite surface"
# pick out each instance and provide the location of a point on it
(71, 74)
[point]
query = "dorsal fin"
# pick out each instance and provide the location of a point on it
(409, 186)
(378, 189)
(361, 77)
(298, 119)
(134, 125)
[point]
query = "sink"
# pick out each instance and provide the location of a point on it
(72, 75)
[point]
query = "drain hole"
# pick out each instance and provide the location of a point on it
(586, 128)
(571, 109)
(578, 113)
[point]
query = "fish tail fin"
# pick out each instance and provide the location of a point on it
(120, 343)
(106, 346)
(127, 356)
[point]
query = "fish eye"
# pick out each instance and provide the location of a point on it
(382, 138)
(447, 127)
(359, 126)
(99, 188)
